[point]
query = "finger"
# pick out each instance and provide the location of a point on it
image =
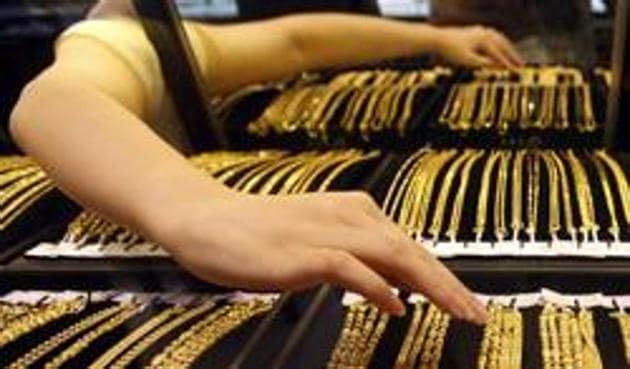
(477, 60)
(341, 268)
(509, 49)
(399, 259)
(491, 49)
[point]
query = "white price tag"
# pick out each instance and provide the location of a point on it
(479, 249)
(619, 249)
(564, 247)
(589, 300)
(593, 249)
(553, 297)
(44, 250)
(448, 249)
(526, 300)
(351, 298)
(622, 301)
(507, 248)
(537, 248)
(417, 298)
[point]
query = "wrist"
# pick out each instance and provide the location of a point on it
(166, 205)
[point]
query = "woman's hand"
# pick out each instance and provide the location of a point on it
(296, 242)
(477, 46)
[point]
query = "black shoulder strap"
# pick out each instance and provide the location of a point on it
(163, 26)
(617, 131)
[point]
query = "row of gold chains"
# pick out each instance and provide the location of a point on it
(424, 341)
(203, 335)
(265, 173)
(620, 179)
(36, 317)
(361, 332)
(526, 98)
(366, 102)
(428, 178)
(623, 320)
(568, 339)
(22, 183)
(502, 343)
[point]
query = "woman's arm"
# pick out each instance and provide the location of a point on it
(280, 48)
(82, 119)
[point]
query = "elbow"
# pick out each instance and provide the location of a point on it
(22, 119)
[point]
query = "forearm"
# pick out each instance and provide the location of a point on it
(101, 154)
(333, 39)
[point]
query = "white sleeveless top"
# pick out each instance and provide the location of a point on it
(125, 38)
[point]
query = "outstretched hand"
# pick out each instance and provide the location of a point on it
(478, 46)
(299, 241)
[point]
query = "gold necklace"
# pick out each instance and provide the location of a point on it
(585, 198)
(440, 208)
(403, 354)
(623, 320)
(110, 355)
(134, 352)
(554, 204)
(52, 343)
(127, 312)
(431, 319)
(38, 318)
(533, 195)
(614, 228)
(482, 205)
(621, 181)
(566, 196)
(400, 184)
(458, 205)
(499, 208)
(517, 194)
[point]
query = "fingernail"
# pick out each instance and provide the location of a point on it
(397, 307)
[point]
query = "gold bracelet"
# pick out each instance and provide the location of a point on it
(453, 169)
(614, 230)
(403, 354)
(533, 195)
(458, 204)
(623, 187)
(585, 198)
(59, 339)
(340, 350)
(482, 205)
(566, 196)
(587, 328)
(128, 311)
(430, 320)
(183, 352)
(499, 207)
(400, 184)
(420, 205)
(554, 203)
(623, 321)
